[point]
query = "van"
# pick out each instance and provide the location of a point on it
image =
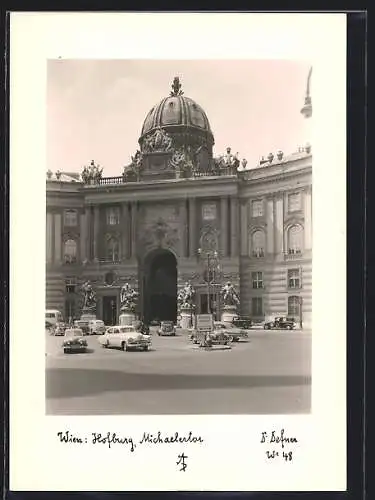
(96, 327)
(53, 316)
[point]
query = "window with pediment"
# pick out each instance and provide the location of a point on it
(258, 243)
(295, 239)
(294, 202)
(70, 218)
(257, 208)
(113, 249)
(70, 251)
(113, 216)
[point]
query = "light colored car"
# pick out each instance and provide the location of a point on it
(235, 333)
(96, 327)
(125, 337)
(59, 329)
(74, 341)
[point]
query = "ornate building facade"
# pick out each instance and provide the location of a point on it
(175, 204)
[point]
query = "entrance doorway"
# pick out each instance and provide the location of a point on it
(110, 310)
(160, 290)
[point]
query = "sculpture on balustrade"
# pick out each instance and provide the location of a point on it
(159, 141)
(128, 298)
(92, 174)
(89, 297)
(227, 161)
(49, 174)
(229, 295)
(186, 296)
(131, 172)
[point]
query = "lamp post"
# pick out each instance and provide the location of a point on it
(212, 268)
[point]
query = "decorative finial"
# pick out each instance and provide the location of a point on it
(307, 96)
(176, 87)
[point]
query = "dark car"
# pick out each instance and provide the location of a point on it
(242, 322)
(281, 323)
(167, 328)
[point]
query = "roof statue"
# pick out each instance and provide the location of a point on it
(92, 174)
(307, 107)
(176, 87)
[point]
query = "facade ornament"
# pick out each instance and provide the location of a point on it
(229, 295)
(270, 157)
(181, 160)
(159, 141)
(128, 298)
(92, 174)
(49, 174)
(58, 175)
(243, 164)
(176, 87)
(89, 297)
(279, 155)
(308, 148)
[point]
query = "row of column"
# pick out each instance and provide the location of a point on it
(233, 229)
(275, 223)
(229, 227)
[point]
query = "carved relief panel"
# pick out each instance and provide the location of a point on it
(159, 226)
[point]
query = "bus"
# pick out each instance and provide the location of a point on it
(52, 317)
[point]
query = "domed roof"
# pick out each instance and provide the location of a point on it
(176, 113)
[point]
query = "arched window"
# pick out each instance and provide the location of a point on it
(293, 306)
(258, 243)
(70, 251)
(113, 250)
(295, 239)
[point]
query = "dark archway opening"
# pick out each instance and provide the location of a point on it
(161, 287)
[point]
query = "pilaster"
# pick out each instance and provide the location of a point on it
(224, 226)
(192, 226)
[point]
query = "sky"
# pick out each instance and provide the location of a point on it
(96, 108)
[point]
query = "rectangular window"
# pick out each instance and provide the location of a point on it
(294, 202)
(209, 211)
(70, 217)
(113, 216)
(294, 278)
(257, 279)
(257, 208)
(257, 306)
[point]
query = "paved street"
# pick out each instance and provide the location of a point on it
(270, 373)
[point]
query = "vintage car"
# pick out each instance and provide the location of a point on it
(244, 322)
(83, 325)
(125, 337)
(74, 341)
(281, 323)
(96, 327)
(59, 328)
(167, 328)
(230, 329)
(210, 338)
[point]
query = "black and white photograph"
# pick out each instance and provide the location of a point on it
(178, 247)
(179, 258)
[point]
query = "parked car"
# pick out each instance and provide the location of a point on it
(74, 341)
(215, 337)
(59, 328)
(83, 325)
(236, 333)
(96, 327)
(167, 328)
(281, 323)
(126, 337)
(244, 322)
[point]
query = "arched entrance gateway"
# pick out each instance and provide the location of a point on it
(160, 286)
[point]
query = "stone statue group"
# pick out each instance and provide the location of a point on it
(185, 297)
(92, 173)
